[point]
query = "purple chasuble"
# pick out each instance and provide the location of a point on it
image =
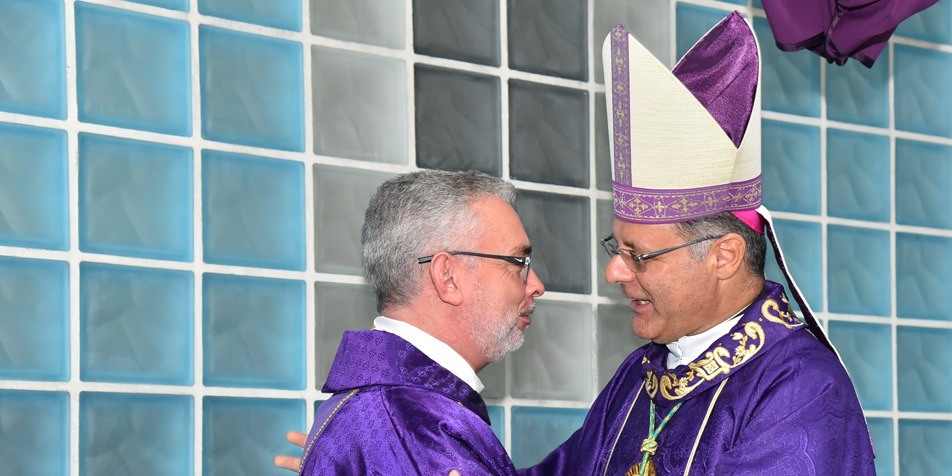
(397, 412)
(766, 398)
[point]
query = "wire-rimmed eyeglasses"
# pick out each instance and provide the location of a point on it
(636, 261)
(523, 261)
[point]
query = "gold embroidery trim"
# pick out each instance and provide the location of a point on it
(321, 429)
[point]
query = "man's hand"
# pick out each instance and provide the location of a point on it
(290, 462)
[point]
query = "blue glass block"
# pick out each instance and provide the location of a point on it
(339, 308)
(922, 100)
(252, 89)
(181, 5)
(284, 14)
(857, 173)
(923, 276)
(537, 431)
(603, 162)
(924, 381)
(558, 226)
(253, 332)
(458, 120)
(858, 267)
(120, 183)
(801, 244)
(866, 352)
(791, 167)
(360, 106)
(606, 217)
(693, 22)
(497, 418)
(790, 81)
(341, 196)
(34, 319)
(464, 30)
(34, 200)
(881, 431)
(252, 211)
(135, 434)
(615, 339)
(374, 22)
(136, 325)
(33, 58)
(932, 24)
(241, 436)
(542, 368)
(549, 37)
(923, 171)
(855, 93)
(924, 447)
(34, 432)
(647, 20)
(548, 134)
(133, 70)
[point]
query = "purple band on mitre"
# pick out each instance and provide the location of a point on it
(620, 102)
(641, 205)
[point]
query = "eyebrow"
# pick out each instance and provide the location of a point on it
(526, 250)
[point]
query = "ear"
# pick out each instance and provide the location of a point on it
(443, 273)
(728, 254)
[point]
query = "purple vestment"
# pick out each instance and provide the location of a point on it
(397, 412)
(767, 398)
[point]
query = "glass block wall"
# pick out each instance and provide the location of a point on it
(182, 184)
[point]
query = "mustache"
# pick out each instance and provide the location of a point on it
(528, 310)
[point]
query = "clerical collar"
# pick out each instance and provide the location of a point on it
(433, 348)
(688, 348)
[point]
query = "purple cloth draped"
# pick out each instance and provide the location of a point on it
(838, 30)
(767, 398)
(397, 412)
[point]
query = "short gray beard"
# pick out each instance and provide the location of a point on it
(493, 339)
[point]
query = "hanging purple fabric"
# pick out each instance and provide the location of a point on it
(839, 29)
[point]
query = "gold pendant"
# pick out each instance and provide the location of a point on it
(636, 470)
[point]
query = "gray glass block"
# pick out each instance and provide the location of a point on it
(881, 431)
(375, 22)
(801, 244)
(34, 319)
(240, 436)
(866, 350)
(497, 419)
(136, 325)
(493, 377)
(924, 447)
(253, 332)
(648, 20)
(616, 341)
(360, 106)
(181, 5)
(922, 101)
(923, 274)
(252, 89)
(791, 167)
(857, 174)
(538, 431)
(341, 196)
(693, 22)
(33, 58)
(339, 308)
(34, 435)
(603, 159)
(923, 172)
(858, 271)
(559, 228)
(284, 14)
(855, 93)
(133, 70)
(135, 434)
(548, 134)
(932, 24)
(790, 81)
(549, 37)
(555, 362)
(252, 211)
(924, 382)
(120, 183)
(464, 30)
(604, 221)
(34, 194)
(458, 120)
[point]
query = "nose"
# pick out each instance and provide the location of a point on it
(534, 286)
(617, 272)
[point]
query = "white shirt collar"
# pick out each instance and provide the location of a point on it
(433, 348)
(688, 348)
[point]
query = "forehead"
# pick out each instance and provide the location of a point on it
(642, 233)
(500, 222)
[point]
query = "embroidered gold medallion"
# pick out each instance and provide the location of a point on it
(636, 470)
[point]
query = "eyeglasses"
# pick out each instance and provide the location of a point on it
(636, 261)
(523, 261)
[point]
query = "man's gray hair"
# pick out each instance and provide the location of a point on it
(721, 224)
(419, 214)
